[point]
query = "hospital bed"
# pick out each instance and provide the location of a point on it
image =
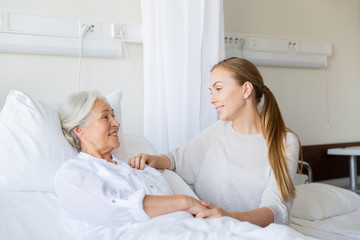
(325, 211)
(32, 148)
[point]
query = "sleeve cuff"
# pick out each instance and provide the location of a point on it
(134, 205)
(281, 213)
(137, 211)
(172, 161)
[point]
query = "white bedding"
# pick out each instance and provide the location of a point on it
(341, 227)
(35, 215)
(326, 212)
(218, 228)
(30, 215)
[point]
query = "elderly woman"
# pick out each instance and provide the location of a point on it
(96, 189)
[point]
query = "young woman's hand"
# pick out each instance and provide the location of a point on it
(155, 161)
(140, 160)
(212, 211)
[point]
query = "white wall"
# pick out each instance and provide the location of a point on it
(301, 93)
(52, 78)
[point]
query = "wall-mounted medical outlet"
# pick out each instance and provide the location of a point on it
(39, 34)
(89, 28)
(277, 51)
(293, 45)
(235, 40)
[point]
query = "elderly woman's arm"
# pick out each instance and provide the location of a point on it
(158, 205)
(84, 196)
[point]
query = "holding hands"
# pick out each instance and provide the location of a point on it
(201, 209)
(212, 211)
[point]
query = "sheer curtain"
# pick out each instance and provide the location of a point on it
(182, 40)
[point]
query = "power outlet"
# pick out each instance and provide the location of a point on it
(119, 31)
(293, 45)
(91, 29)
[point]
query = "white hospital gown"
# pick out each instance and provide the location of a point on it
(95, 194)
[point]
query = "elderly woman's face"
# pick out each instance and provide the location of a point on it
(100, 134)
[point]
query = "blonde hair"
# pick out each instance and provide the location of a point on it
(74, 112)
(273, 126)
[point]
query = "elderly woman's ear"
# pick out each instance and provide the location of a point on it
(78, 131)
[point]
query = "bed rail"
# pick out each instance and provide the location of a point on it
(308, 169)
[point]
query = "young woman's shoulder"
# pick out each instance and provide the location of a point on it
(292, 138)
(292, 146)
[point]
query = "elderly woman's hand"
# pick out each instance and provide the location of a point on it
(194, 206)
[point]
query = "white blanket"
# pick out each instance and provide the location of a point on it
(35, 215)
(193, 228)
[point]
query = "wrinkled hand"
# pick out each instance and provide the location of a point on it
(211, 211)
(140, 160)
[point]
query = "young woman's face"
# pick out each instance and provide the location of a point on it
(226, 94)
(101, 131)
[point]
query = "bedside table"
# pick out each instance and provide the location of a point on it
(352, 152)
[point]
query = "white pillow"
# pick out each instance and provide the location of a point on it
(177, 184)
(136, 144)
(317, 201)
(32, 146)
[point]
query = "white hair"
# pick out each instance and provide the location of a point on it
(74, 111)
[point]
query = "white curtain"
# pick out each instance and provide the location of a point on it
(182, 40)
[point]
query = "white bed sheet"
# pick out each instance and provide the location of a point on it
(30, 215)
(35, 215)
(341, 227)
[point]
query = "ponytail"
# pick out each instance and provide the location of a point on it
(274, 131)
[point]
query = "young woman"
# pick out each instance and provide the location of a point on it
(96, 190)
(242, 165)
